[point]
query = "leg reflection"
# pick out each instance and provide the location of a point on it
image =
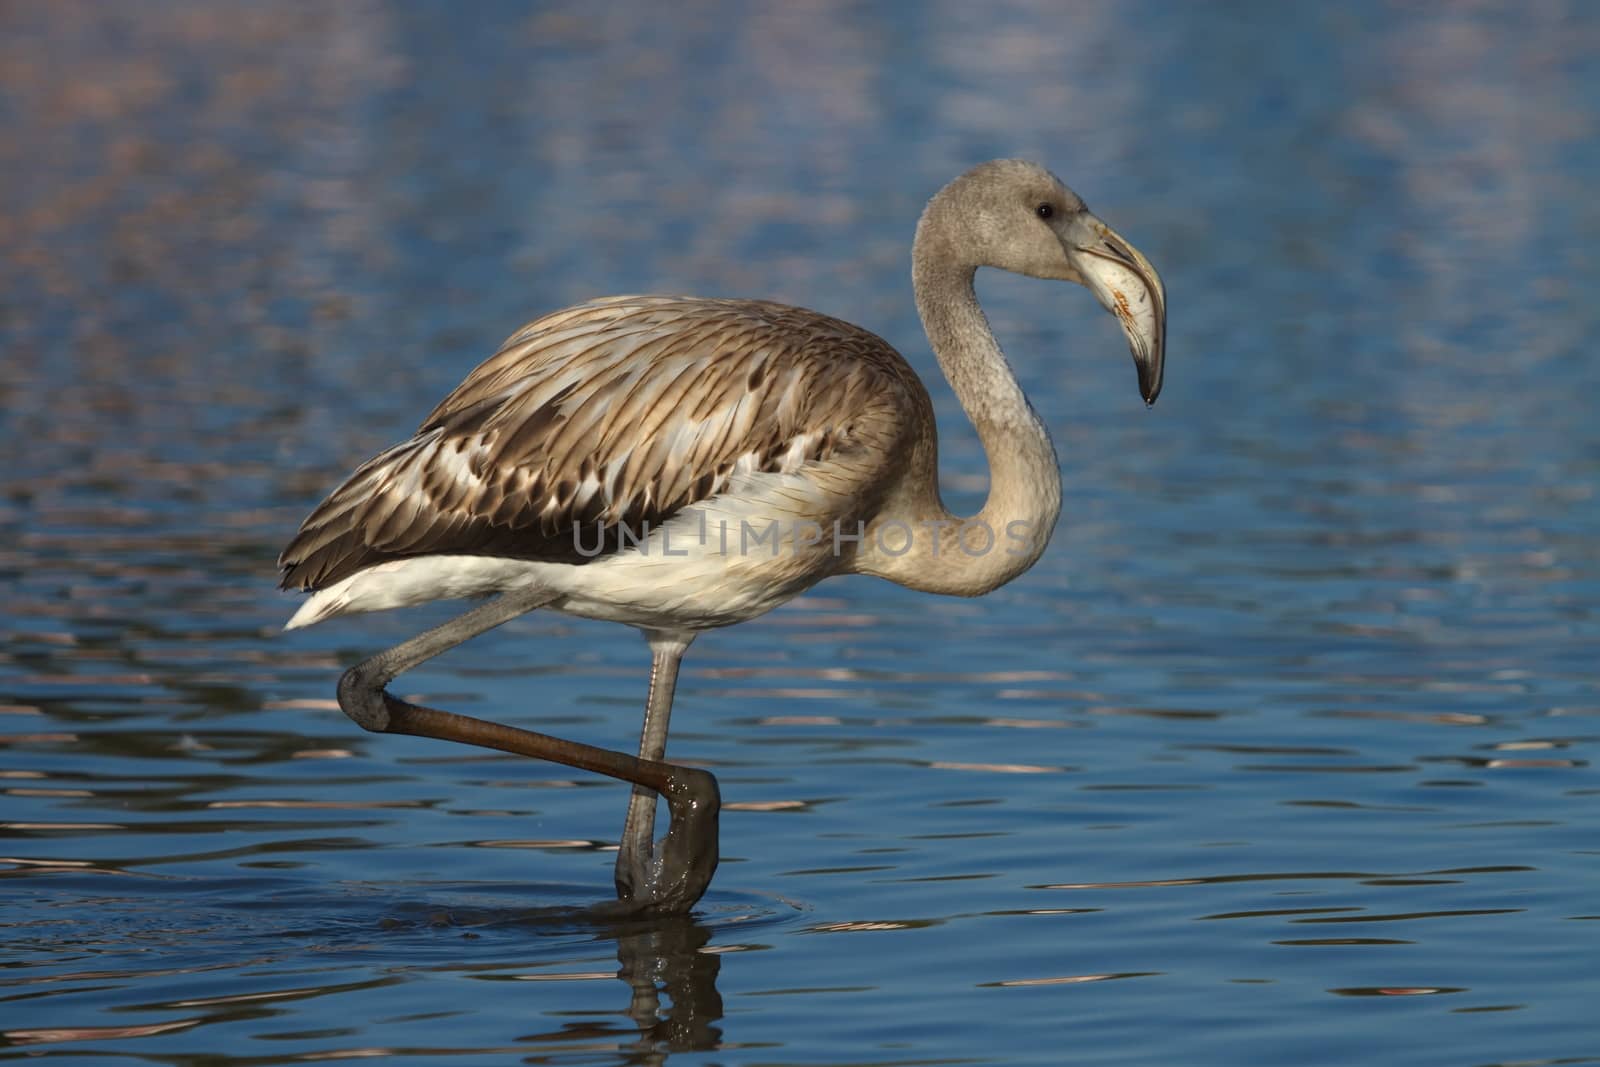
(665, 956)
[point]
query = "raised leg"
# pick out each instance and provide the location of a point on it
(636, 851)
(687, 856)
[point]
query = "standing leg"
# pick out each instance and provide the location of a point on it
(688, 853)
(635, 853)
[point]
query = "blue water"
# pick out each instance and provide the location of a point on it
(1284, 752)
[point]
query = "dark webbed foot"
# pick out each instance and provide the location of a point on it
(675, 874)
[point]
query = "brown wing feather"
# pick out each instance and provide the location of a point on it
(613, 414)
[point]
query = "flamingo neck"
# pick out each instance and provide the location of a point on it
(946, 553)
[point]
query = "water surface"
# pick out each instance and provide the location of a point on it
(1283, 752)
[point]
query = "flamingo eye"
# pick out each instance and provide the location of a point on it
(1044, 211)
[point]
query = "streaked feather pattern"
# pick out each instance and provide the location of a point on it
(617, 414)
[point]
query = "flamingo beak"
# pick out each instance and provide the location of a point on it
(1127, 286)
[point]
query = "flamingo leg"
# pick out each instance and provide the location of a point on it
(686, 857)
(636, 851)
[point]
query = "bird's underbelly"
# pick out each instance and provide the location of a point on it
(715, 564)
(697, 592)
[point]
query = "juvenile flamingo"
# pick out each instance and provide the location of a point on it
(680, 464)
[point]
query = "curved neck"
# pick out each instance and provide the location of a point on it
(971, 556)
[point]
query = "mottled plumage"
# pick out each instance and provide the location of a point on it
(612, 415)
(596, 463)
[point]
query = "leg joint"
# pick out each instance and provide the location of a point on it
(691, 791)
(361, 698)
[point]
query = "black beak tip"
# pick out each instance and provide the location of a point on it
(1147, 388)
